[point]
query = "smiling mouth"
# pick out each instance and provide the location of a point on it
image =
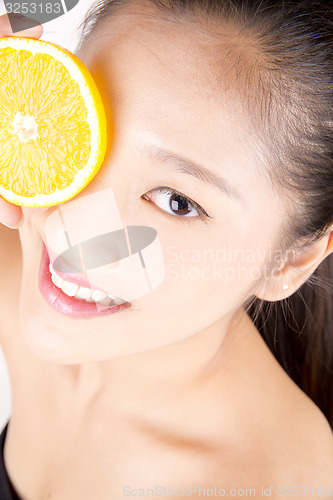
(96, 296)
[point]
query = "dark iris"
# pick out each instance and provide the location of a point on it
(180, 204)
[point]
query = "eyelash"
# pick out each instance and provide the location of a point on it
(184, 218)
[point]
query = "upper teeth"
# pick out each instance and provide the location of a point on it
(81, 292)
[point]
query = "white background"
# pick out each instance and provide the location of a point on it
(63, 31)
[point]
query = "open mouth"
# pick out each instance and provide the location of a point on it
(72, 297)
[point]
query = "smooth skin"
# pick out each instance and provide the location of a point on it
(183, 390)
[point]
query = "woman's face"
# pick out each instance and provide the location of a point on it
(159, 91)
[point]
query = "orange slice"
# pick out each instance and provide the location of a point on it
(53, 133)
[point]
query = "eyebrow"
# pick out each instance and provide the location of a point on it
(189, 167)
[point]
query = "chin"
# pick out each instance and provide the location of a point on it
(63, 338)
(53, 337)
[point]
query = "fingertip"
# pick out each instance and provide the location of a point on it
(10, 215)
(18, 25)
(16, 225)
(35, 32)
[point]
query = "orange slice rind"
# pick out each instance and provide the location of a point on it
(53, 131)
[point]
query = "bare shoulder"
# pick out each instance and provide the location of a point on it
(301, 455)
(310, 442)
(301, 440)
(291, 438)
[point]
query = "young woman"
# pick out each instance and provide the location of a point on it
(222, 141)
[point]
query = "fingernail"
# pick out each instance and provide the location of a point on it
(17, 226)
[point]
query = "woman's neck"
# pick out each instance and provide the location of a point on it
(135, 384)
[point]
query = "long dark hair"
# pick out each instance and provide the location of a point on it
(293, 69)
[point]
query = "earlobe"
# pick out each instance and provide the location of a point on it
(297, 268)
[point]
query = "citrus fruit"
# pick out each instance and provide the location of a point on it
(53, 133)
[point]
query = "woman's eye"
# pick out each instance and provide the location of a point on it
(175, 203)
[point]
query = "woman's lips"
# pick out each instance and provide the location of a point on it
(70, 306)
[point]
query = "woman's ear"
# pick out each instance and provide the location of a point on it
(296, 269)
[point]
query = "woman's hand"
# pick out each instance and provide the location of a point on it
(11, 215)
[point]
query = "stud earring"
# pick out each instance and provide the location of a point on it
(285, 287)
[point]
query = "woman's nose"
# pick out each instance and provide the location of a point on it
(87, 236)
(86, 232)
(105, 249)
